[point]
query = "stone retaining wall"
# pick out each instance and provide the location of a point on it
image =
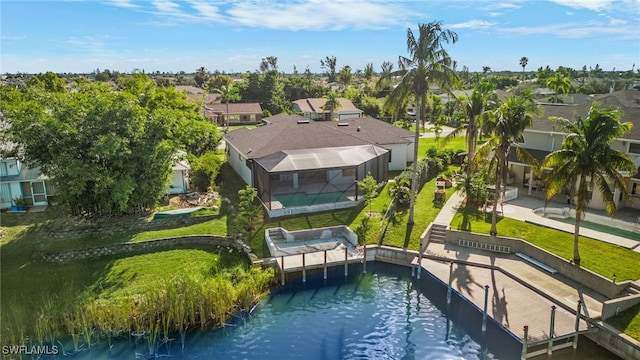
(146, 246)
(127, 226)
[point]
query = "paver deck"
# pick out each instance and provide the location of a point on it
(520, 294)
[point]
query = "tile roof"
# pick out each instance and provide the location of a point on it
(627, 101)
(283, 132)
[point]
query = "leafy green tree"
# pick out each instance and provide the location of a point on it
(201, 77)
(400, 190)
(559, 83)
(329, 64)
(248, 208)
(48, 81)
(369, 190)
(586, 162)
(371, 106)
(507, 125)
(428, 63)
(368, 72)
(227, 94)
(108, 151)
(218, 81)
(205, 169)
(345, 76)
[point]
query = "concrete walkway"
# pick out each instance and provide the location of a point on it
(520, 293)
(522, 209)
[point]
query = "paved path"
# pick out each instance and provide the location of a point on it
(521, 294)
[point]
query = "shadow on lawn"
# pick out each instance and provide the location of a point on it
(473, 214)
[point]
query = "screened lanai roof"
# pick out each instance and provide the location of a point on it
(323, 158)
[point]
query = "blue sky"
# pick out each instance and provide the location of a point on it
(233, 36)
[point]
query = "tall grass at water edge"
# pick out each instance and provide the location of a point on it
(171, 306)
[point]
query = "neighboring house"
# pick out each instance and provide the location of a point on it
(239, 113)
(300, 166)
(179, 174)
(197, 95)
(17, 180)
(313, 109)
(544, 137)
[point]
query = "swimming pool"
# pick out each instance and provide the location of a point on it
(304, 199)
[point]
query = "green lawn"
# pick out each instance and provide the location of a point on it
(628, 321)
(601, 257)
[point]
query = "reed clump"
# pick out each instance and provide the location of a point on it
(204, 296)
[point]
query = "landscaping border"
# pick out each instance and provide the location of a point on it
(146, 246)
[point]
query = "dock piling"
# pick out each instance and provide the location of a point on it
(525, 342)
(552, 325)
(346, 264)
(325, 264)
(575, 338)
(304, 270)
(282, 269)
(484, 312)
(450, 281)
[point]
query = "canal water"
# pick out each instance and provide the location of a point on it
(383, 314)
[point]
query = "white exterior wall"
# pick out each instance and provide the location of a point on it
(399, 155)
(539, 140)
(238, 163)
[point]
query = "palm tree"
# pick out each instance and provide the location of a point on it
(507, 124)
(428, 62)
(227, 94)
(586, 161)
(523, 62)
(559, 82)
(332, 103)
(474, 109)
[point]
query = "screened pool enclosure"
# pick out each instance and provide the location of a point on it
(317, 177)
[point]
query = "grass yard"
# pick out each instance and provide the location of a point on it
(628, 321)
(601, 257)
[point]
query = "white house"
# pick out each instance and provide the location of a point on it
(545, 136)
(310, 165)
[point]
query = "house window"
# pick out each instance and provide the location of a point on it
(3, 168)
(5, 193)
(634, 148)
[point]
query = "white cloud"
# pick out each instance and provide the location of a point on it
(575, 30)
(318, 14)
(123, 4)
(595, 5)
(207, 10)
(473, 24)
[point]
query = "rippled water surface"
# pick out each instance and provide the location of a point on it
(378, 315)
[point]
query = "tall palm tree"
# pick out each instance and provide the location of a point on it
(474, 108)
(559, 83)
(507, 125)
(428, 62)
(523, 62)
(332, 103)
(228, 93)
(586, 161)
